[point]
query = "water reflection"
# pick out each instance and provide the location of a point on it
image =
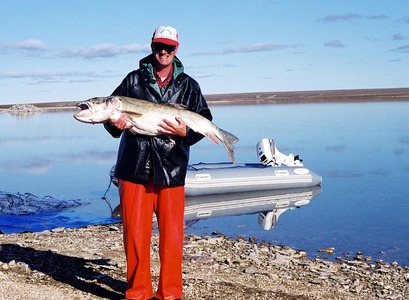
(26, 204)
(24, 110)
(27, 212)
(269, 204)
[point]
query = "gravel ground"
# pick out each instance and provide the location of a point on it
(89, 263)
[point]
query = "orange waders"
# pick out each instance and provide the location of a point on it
(138, 203)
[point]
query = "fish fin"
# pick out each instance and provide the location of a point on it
(133, 115)
(228, 140)
(129, 117)
(134, 131)
(230, 136)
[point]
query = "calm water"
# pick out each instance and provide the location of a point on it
(360, 149)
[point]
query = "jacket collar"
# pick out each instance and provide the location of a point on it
(145, 64)
(148, 76)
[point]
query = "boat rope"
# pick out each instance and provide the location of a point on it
(105, 198)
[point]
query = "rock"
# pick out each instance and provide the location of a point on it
(24, 109)
(59, 229)
(315, 281)
(359, 256)
(328, 250)
(114, 228)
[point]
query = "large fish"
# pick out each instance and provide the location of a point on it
(146, 115)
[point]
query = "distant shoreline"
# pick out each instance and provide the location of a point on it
(294, 97)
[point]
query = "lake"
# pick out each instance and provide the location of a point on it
(361, 150)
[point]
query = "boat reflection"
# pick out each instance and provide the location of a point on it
(269, 204)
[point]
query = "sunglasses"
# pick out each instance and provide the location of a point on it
(158, 47)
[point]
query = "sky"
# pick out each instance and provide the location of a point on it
(73, 50)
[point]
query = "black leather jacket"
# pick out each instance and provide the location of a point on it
(141, 158)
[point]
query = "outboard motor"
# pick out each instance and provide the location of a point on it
(268, 155)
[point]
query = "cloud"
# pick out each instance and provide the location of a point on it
(29, 45)
(340, 18)
(32, 46)
(404, 20)
(336, 148)
(377, 17)
(334, 44)
(259, 47)
(204, 53)
(105, 50)
(52, 75)
(35, 47)
(397, 37)
(402, 49)
(395, 60)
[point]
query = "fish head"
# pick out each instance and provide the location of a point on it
(97, 110)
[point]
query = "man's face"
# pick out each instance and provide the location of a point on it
(164, 54)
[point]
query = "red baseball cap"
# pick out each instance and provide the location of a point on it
(165, 35)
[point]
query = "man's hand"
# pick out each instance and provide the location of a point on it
(121, 121)
(177, 128)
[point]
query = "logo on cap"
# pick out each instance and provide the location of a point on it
(166, 35)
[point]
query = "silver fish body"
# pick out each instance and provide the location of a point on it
(146, 117)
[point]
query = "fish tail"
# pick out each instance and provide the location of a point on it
(228, 141)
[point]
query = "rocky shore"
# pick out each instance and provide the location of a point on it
(89, 263)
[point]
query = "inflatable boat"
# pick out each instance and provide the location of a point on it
(221, 178)
(275, 171)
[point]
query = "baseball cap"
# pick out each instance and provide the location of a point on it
(165, 35)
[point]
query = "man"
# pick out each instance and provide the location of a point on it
(152, 170)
